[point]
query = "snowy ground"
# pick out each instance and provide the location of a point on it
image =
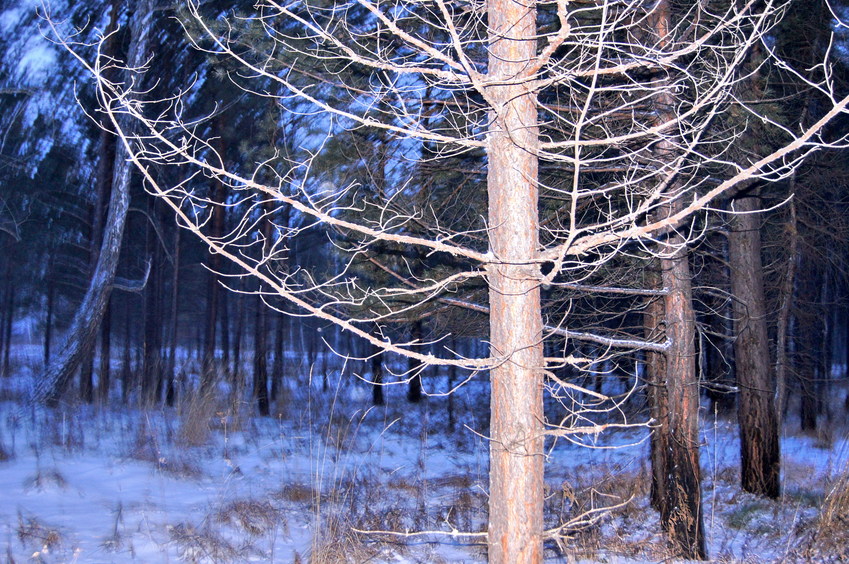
(206, 483)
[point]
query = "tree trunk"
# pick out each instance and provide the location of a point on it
(48, 321)
(656, 394)
(684, 520)
(277, 367)
(414, 368)
(104, 371)
(171, 371)
(783, 326)
(8, 319)
(260, 389)
(516, 444)
(86, 320)
(213, 288)
(376, 376)
(759, 444)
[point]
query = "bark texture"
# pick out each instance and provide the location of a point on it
(759, 445)
(516, 457)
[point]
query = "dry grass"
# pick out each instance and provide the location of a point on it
(35, 534)
(254, 517)
(827, 538)
(203, 545)
(197, 416)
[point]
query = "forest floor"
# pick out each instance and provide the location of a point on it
(204, 482)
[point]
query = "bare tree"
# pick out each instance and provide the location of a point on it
(568, 101)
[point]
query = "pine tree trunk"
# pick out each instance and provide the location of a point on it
(684, 520)
(104, 372)
(656, 394)
(260, 389)
(516, 432)
(414, 368)
(759, 444)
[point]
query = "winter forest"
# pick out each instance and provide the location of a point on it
(508, 281)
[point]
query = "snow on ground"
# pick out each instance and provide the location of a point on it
(205, 482)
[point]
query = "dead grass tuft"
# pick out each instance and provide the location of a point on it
(198, 415)
(298, 493)
(202, 545)
(827, 540)
(146, 449)
(33, 533)
(254, 517)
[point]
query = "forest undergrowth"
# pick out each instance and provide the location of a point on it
(331, 479)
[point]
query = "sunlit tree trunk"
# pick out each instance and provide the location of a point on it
(516, 430)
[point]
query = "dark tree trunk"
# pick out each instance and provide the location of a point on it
(86, 320)
(656, 395)
(8, 319)
(377, 376)
(104, 372)
(277, 367)
(414, 368)
(152, 347)
(127, 380)
(171, 371)
(48, 322)
(759, 436)
(213, 288)
(809, 347)
(260, 389)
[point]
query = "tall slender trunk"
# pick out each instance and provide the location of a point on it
(759, 445)
(681, 510)
(260, 388)
(213, 288)
(8, 319)
(171, 371)
(414, 368)
(658, 400)
(86, 320)
(516, 431)
(104, 371)
(684, 520)
(783, 326)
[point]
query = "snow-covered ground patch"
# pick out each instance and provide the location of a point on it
(208, 482)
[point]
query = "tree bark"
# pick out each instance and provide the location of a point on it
(683, 519)
(759, 444)
(89, 314)
(516, 445)
(653, 316)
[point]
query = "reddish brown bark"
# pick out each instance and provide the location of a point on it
(516, 458)
(759, 445)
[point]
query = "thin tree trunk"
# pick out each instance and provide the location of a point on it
(516, 432)
(48, 322)
(171, 372)
(260, 389)
(277, 367)
(104, 371)
(783, 325)
(9, 317)
(414, 368)
(653, 318)
(86, 320)
(759, 445)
